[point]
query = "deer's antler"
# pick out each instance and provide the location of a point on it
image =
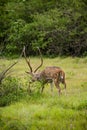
(28, 61)
(41, 60)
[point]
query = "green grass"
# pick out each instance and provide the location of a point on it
(48, 111)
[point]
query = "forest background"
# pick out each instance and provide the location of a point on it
(58, 27)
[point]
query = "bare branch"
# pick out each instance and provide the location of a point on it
(2, 74)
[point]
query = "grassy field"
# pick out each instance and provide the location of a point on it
(48, 111)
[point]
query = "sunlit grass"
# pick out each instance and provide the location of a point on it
(48, 111)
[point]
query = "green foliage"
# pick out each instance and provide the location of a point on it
(10, 90)
(57, 27)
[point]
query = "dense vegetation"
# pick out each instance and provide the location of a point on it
(58, 27)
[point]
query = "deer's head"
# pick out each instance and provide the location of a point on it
(33, 73)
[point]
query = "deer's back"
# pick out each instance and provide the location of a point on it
(51, 72)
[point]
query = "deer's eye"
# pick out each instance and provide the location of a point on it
(37, 78)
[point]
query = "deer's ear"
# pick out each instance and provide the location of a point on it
(29, 73)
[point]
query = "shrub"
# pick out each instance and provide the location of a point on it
(10, 90)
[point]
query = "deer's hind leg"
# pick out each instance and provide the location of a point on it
(65, 86)
(57, 85)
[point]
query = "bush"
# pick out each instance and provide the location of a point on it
(14, 125)
(10, 90)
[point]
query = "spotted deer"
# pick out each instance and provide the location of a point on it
(51, 74)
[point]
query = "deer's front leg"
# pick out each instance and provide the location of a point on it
(29, 89)
(51, 85)
(42, 88)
